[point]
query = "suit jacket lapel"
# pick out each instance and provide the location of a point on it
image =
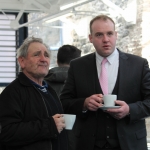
(123, 72)
(92, 77)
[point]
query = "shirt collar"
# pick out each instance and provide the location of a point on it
(43, 88)
(111, 58)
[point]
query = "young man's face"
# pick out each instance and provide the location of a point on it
(103, 37)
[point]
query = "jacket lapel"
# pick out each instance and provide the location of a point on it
(92, 77)
(123, 72)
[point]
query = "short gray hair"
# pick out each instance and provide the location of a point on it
(23, 50)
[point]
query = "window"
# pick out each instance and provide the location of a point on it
(7, 50)
(10, 40)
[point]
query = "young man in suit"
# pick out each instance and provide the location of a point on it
(128, 77)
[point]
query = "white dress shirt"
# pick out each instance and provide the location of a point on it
(112, 68)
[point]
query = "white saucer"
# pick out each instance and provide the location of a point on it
(109, 107)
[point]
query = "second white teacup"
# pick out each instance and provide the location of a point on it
(109, 100)
(69, 120)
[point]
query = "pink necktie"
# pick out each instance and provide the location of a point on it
(103, 77)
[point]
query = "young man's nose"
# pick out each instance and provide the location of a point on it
(105, 38)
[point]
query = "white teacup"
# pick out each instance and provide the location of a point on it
(69, 120)
(109, 100)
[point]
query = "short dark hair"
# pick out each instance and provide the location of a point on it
(66, 53)
(100, 17)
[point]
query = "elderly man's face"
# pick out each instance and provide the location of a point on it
(36, 64)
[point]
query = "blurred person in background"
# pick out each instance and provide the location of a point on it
(56, 76)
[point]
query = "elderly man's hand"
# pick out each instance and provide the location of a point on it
(59, 121)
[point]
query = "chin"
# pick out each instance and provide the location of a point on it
(105, 54)
(42, 75)
(108, 52)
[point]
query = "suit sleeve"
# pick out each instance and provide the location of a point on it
(141, 108)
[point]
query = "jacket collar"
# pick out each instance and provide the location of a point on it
(23, 79)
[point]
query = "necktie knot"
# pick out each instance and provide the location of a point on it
(104, 61)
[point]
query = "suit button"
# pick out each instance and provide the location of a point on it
(107, 137)
(93, 135)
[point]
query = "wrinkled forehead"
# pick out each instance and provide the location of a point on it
(36, 46)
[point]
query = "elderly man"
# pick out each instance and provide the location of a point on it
(31, 113)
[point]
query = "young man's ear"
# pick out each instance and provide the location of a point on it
(116, 34)
(90, 38)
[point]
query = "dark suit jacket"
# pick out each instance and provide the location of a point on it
(134, 89)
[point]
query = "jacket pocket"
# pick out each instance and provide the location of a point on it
(141, 133)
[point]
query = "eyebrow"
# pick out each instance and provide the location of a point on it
(39, 51)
